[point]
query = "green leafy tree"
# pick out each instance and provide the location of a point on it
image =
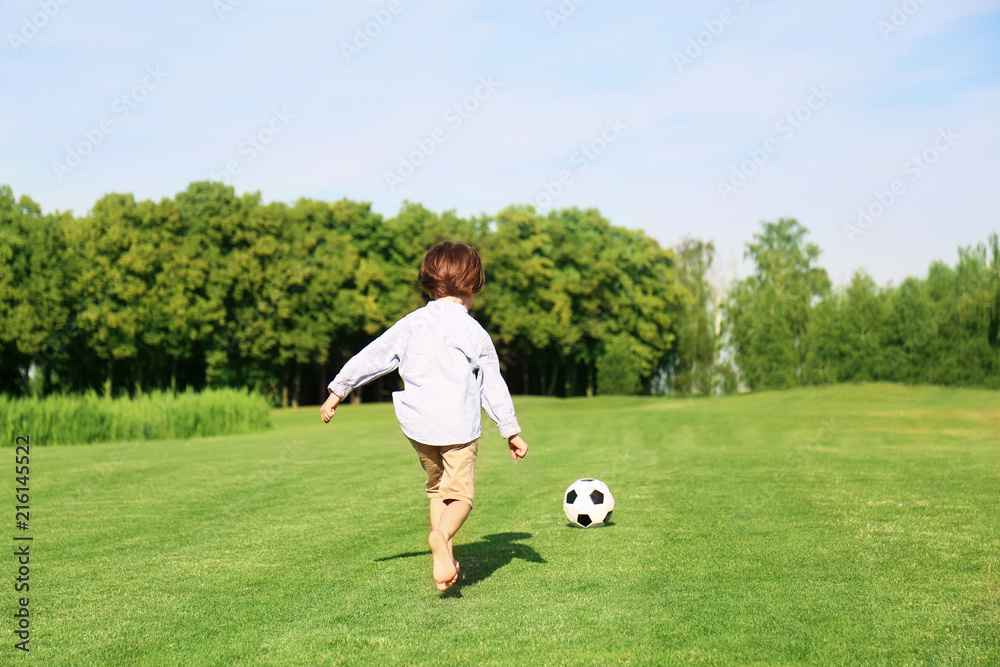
(646, 300)
(321, 264)
(863, 317)
(518, 296)
(974, 295)
(908, 329)
(582, 275)
(767, 314)
(113, 270)
(619, 370)
(220, 240)
(184, 316)
(936, 330)
(368, 281)
(827, 341)
(992, 296)
(764, 339)
(693, 368)
(847, 331)
(563, 286)
(937, 362)
(33, 308)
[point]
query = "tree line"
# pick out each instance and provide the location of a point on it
(212, 289)
(786, 325)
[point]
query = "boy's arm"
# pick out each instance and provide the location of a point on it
(381, 356)
(496, 399)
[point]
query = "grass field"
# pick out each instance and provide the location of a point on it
(839, 525)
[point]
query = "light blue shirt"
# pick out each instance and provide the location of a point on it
(449, 368)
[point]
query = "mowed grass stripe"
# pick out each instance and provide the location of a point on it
(824, 525)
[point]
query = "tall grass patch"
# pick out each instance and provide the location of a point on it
(82, 419)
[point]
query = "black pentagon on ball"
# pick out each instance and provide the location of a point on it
(583, 520)
(588, 479)
(571, 497)
(596, 497)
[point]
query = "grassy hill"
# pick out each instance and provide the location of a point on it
(835, 525)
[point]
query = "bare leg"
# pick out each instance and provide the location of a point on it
(450, 520)
(437, 508)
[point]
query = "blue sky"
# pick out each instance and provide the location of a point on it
(698, 119)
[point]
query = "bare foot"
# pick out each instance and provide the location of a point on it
(445, 573)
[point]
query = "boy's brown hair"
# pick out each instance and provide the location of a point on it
(451, 269)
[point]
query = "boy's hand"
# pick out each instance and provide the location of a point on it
(328, 408)
(518, 447)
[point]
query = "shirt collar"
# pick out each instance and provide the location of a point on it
(446, 305)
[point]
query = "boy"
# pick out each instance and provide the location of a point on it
(449, 368)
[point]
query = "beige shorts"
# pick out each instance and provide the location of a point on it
(451, 469)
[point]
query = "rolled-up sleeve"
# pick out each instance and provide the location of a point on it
(496, 398)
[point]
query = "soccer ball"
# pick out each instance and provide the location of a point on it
(588, 502)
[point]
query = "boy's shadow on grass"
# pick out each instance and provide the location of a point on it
(479, 560)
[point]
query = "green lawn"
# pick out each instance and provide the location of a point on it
(840, 525)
